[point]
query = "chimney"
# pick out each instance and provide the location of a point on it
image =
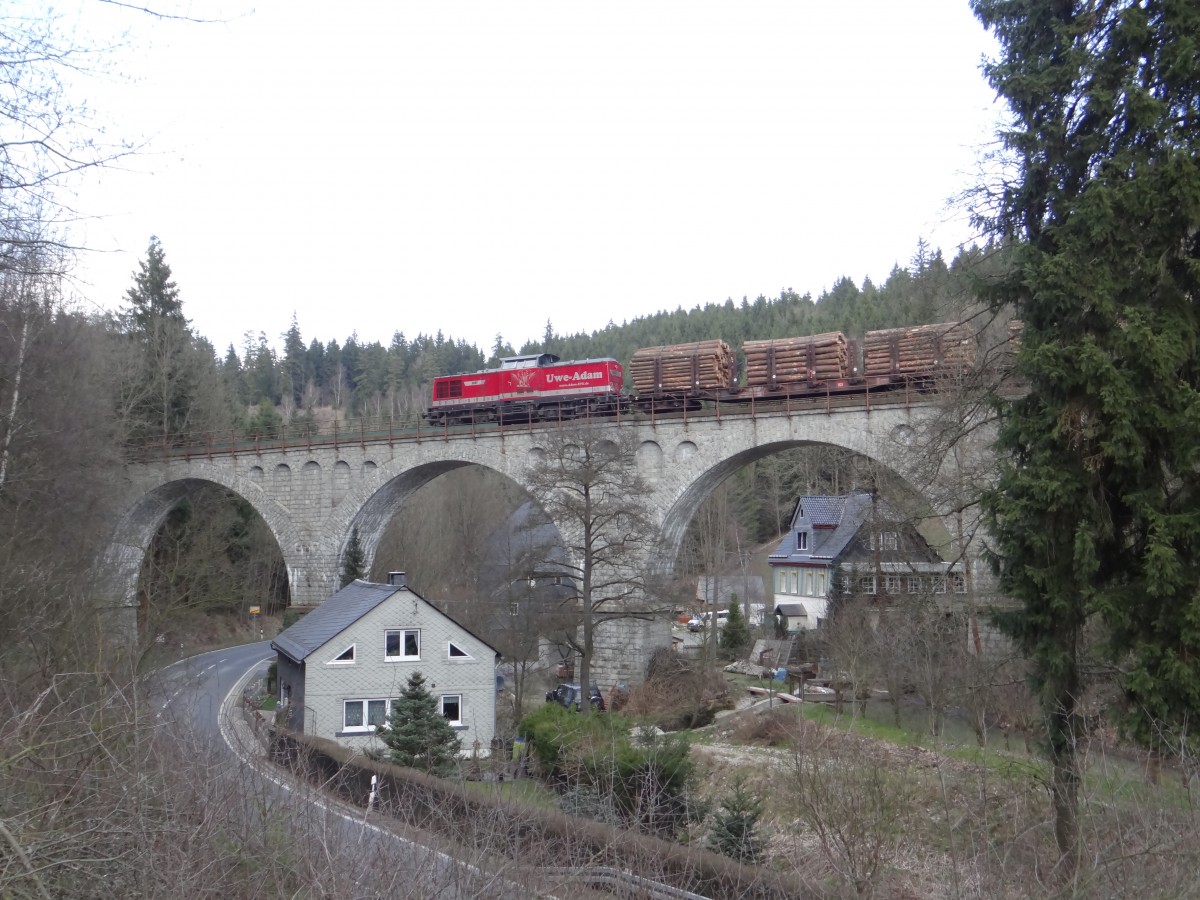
(397, 579)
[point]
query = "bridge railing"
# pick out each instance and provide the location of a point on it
(413, 428)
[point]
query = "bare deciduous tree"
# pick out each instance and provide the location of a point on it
(587, 481)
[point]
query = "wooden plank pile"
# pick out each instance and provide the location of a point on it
(919, 349)
(782, 361)
(677, 368)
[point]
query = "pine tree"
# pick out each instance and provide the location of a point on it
(734, 828)
(354, 560)
(1096, 516)
(417, 733)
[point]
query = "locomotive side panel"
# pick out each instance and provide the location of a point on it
(546, 390)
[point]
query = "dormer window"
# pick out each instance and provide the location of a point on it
(801, 540)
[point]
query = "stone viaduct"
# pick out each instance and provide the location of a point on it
(312, 496)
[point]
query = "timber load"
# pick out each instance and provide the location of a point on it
(799, 360)
(682, 368)
(921, 349)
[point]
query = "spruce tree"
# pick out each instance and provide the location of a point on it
(417, 733)
(154, 294)
(354, 560)
(735, 636)
(734, 831)
(159, 394)
(1096, 516)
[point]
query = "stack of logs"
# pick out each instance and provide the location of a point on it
(821, 357)
(922, 348)
(701, 365)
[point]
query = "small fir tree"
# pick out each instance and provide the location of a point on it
(354, 560)
(734, 829)
(418, 734)
(735, 636)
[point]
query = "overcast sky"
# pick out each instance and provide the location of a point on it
(483, 168)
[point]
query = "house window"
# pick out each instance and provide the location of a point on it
(891, 584)
(821, 584)
(794, 582)
(346, 656)
(402, 643)
(916, 584)
(779, 581)
(958, 582)
(801, 540)
(939, 584)
(866, 584)
(456, 652)
(808, 583)
(364, 715)
(514, 608)
(452, 708)
(884, 540)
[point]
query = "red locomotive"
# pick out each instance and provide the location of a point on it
(528, 388)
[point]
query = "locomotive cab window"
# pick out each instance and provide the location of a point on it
(447, 390)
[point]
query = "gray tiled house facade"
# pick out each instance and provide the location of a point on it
(341, 665)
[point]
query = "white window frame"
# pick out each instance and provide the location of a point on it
(365, 710)
(866, 584)
(938, 583)
(891, 584)
(801, 540)
(779, 581)
(822, 590)
(959, 582)
(808, 583)
(462, 654)
(442, 708)
(401, 656)
(338, 661)
(916, 584)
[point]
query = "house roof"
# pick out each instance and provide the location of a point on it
(791, 610)
(830, 524)
(338, 613)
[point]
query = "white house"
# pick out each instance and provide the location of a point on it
(859, 537)
(341, 666)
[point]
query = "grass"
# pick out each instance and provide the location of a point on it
(523, 790)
